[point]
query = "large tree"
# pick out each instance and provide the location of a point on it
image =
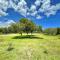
(29, 26)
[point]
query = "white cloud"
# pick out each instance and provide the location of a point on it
(10, 22)
(34, 13)
(22, 8)
(2, 13)
(52, 10)
(32, 8)
(49, 9)
(4, 4)
(37, 2)
(3, 7)
(28, 13)
(6, 23)
(45, 7)
(12, 4)
(38, 17)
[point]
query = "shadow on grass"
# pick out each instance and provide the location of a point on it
(27, 37)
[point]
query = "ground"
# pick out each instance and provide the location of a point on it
(27, 47)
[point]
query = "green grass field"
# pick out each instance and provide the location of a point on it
(27, 47)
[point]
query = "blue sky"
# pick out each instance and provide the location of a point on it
(43, 12)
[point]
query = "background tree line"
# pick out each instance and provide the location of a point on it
(23, 26)
(52, 31)
(27, 26)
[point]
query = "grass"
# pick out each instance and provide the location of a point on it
(27, 47)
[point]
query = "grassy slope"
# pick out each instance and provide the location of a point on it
(40, 47)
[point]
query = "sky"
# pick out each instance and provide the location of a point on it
(42, 12)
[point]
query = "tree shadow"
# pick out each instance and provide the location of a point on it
(27, 37)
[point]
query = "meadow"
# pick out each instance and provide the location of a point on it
(29, 47)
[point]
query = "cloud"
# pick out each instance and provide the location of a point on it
(21, 7)
(38, 2)
(38, 17)
(3, 7)
(52, 10)
(10, 21)
(49, 9)
(2, 13)
(6, 23)
(34, 13)
(45, 5)
(32, 8)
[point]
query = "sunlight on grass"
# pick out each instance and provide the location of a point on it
(35, 47)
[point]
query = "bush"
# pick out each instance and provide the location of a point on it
(51, 31)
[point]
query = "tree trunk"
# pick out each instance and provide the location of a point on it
(21, 34)
(31, 33)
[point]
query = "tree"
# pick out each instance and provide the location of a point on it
(13, 28)
(58, 30)
(28, 25)
(39, 29)
(1, 30)
(21, 28)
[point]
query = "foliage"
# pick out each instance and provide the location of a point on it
(24, 25)
(51, 31)
(28, 25)
(39, 29)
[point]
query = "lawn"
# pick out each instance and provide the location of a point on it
(27, 47)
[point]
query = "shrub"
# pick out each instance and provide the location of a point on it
(51, 31)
